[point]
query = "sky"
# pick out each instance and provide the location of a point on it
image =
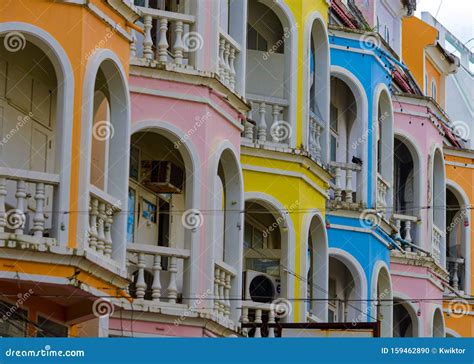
(456, 15)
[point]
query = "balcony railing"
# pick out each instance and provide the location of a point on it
(343, 188)
(254, 312)
(27, 192)
(382, 192)
(316, 129)
(404, 225)
(102, 210)
(437, 240)
(229, 50)
(174, 28)
(164, 287)
(456, 272)
(268, 114)
(223, 276)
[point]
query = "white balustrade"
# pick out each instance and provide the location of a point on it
(223, 276)
(229, 51)
(382, 192)
(456, 272)
(149, 258)
(171, 27)
(268, 113)
(346, 184)
(405, 226)
(24, 196)
(316, 128)
(437, 238)
(258, 313)
(102, 210)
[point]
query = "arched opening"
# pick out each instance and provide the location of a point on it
(457, 238)
(36, 103)
(106, 138)
(405, 319)
(438, 201)
(227, 240)
(438, 323)
(348, 141)
(347, 289)
(319, 92)
(384, 151)
(407, 192)
(268, 83)
(382, 308)
(317, 272)
(161, 218)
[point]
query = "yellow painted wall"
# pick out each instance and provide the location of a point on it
(433, 73)
(464, 177)
(416, 35)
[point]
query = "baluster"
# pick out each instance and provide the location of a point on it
(258, 320)
(147, 41)
(94, 212)
(245, 319)
(221, 292)
(248, 128)
(178, 44)
(221, 59)
(337, 183)
(262, 124)
(141, 285)
(271, 320)
(226, 62)
(20, 205)
(276, 110)
(163, 42)
(407, 231)
(108, 222)
(232, 72)
(172, 287)
(3, 194)
(317, 143)
(100, 228)
(133, 45)
(156, 286)
(217, 276)
(349, 185)
(455, 275)
(38, 219)
(227, 288)
(398, 225)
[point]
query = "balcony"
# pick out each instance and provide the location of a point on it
(405, 230)
(437, 239)
(383, 188)
(258, 313)
(344, 195)
(26, 208)
(456, 266)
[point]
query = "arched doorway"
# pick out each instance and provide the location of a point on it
(382, 306)
(438, 329)
(405, 319)
(438, 201)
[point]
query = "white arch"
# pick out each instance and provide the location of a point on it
(288, 236)
(387, 142)
(234, 219)
(362, 115)
(387, 297)
(319, 308)
(451, 333)
(416, 321)
(286, 17)
(418, 162)
(461, 194)
(358, 275)
(313, 19)
(64, 111)
(438, 311)
(438, 213)
(120, 144)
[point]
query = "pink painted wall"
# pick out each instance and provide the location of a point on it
(155, 328)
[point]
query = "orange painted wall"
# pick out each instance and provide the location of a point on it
(78, 31)
(464, 177)
(433, 73)
(416, 35)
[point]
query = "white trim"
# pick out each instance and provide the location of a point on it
(64, 114)
(358, 275)
(412, 311)
(360, 51)
(438, 308)
(451, 331)
(458, 164)
(379, 265)
(360, 230)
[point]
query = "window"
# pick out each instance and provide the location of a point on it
(254, 238)
(131, 215)
(434, 91)
(255, 41)
(426, 84)
(134, 163)
(48, 328)
(15, 323)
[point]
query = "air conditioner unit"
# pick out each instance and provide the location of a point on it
(261, 287)
(162, 176)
